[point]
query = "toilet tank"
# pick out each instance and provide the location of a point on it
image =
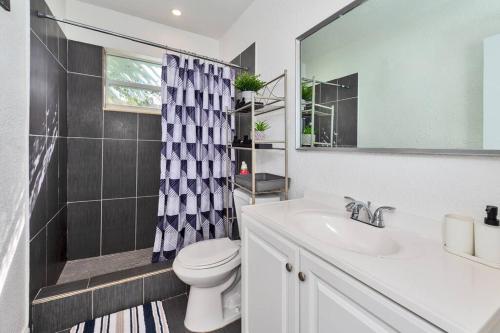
(242, 198)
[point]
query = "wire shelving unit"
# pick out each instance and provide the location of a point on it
(271, 98)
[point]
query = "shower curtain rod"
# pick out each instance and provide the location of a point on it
(137, 40)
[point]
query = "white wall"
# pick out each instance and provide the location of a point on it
(492, 92)
(426, 185)
(133, 26)
(14, 95)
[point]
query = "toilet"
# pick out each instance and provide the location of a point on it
(212, 269)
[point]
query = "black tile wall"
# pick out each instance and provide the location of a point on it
(38, 25)
(148, 172)
(38, 267)
(38, 185)
(56, 246)
(147, 218)
(63, 102)
(38, 86)
(84, 169)
(162, 286)
(248, 58)
(120, 125)
(62, 144)
(149, 127)
(84, 58)
(118, 225)
(119, 168)
(113, 161)
(345, 102)
(118, 297)
(243, 121)
(352, 82)
(53, 316)
(85, 114)
(47, 155)
(84, 229)
(347, 111)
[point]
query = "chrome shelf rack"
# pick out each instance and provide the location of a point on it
(268, 99)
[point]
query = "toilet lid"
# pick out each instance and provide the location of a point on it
(208, 253)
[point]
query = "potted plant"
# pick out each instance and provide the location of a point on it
(307, 136)
(248, 83)
(260, 128)
(307, 92)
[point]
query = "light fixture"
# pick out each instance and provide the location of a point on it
(176, 12)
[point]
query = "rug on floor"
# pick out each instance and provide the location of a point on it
(147, 318)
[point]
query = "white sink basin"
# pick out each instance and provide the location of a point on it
(342, 232)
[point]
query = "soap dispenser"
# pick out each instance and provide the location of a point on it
(487, 236)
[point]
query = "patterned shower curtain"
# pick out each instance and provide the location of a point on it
(195, 96)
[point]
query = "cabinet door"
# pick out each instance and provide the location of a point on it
(333, 302)
(269, 289)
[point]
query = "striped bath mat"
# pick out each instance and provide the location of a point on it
(147, 318)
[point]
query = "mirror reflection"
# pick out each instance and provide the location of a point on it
(431, 83)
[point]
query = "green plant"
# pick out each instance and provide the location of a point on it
(261, 126)
(307, 130)
(248, 82)
(307, 92)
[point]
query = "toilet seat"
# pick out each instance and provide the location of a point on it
(208, 254)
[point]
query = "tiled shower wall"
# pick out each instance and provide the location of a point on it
(113, 165)
(47, 160)
(346, 110)
(243, 127)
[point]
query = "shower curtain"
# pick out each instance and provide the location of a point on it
(195, 96)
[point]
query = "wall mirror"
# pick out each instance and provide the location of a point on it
(402, 76)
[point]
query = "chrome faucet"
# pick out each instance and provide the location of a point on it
(375, 219)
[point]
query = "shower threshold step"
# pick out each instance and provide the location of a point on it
(61, 306)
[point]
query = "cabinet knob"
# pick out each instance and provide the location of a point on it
(288, 267)
(302, 276)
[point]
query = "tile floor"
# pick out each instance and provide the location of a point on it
(175, 309)
(81, 269)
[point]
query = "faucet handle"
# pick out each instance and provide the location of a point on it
(351, 204)
(378, 216)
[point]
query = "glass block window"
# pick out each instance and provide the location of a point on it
(132, 84)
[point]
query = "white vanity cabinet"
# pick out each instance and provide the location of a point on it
(310, 295)
(270, 292)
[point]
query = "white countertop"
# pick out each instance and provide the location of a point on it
(453, 293)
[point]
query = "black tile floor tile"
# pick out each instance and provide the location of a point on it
(127, 274)
(63, 288)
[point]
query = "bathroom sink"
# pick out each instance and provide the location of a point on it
(342, 232)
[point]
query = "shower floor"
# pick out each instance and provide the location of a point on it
(81, 269)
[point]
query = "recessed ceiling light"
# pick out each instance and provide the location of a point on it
(176, 12)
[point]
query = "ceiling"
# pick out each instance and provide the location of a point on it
(205, 17)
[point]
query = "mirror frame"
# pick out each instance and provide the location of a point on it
(298, 130)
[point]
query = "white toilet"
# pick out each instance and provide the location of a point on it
(212, 269)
